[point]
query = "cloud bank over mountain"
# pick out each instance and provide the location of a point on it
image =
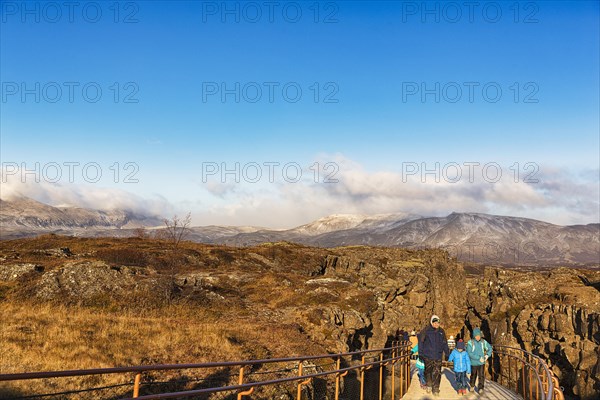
(560, 196)
(88, 195)
(555, 195)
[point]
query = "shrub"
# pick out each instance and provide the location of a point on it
(126, 256)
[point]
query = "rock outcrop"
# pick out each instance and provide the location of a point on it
(555, 315)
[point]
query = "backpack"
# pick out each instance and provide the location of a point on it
(485, 343)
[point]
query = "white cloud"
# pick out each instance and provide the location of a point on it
(82, 195)
(561, 196)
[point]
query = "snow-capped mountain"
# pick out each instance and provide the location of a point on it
(338, 222)
(469, 236)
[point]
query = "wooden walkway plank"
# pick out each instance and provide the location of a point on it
(493, 391)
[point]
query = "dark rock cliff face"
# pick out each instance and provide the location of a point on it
(351, 298)
(394, 289)
(555, 315)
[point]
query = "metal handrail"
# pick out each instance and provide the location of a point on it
(546, 380)
(399, 351)
(264, 383)
(162, 367)
(524, 362)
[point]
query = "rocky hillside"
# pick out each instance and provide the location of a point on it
(350, 297)
(471, 237)
(342, 299)
(28, 215)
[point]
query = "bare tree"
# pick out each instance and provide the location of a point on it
(141, 233)
(177, 229)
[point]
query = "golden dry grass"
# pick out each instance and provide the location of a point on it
(238, 317)
(49, 337)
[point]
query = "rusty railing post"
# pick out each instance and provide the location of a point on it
(509, 370)
(496, 366)
(301, 383)
(299, 393)
(339, 375)
(337, 379)
(517, 362)
(408, 353)
(529, 383)
(362, 377)
(408, 374)
(393, 373)
(523, 389)
(537, 384)
(545, 384)
(241, 382)
(381, 376)
(504, 370)
(402, 366)
(136, 385)
(558, 394)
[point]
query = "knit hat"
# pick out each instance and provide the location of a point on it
(413, 333)
(460, 345)
(434, 318)
(476, 332)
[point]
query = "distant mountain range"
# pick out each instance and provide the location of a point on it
(469, 236)
(475, 237)
(27, 215)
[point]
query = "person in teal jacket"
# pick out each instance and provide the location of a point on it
(479, 351)
(420, 368)
(462, 366)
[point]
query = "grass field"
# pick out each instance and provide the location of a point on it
(49, 337)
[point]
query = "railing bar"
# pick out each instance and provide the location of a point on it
(35, 396)
(546, 384)
(249, 385)
(144, 368)
(543, 375)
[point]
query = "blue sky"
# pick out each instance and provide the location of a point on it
(364, 55)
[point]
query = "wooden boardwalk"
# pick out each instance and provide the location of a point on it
(493, 391)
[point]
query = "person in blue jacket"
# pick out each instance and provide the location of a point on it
(479, 351)
(432, 346)
(462, 366)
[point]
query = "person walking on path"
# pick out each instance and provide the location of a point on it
(462, 366)
(479, 351)
(432, 346)
(420, 367)
(451, 343)
(399, 335)
(414, 342)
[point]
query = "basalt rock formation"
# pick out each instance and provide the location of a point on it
(555, 314)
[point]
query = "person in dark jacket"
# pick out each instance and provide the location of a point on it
(432, 345)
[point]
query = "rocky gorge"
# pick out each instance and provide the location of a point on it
(342, 299)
